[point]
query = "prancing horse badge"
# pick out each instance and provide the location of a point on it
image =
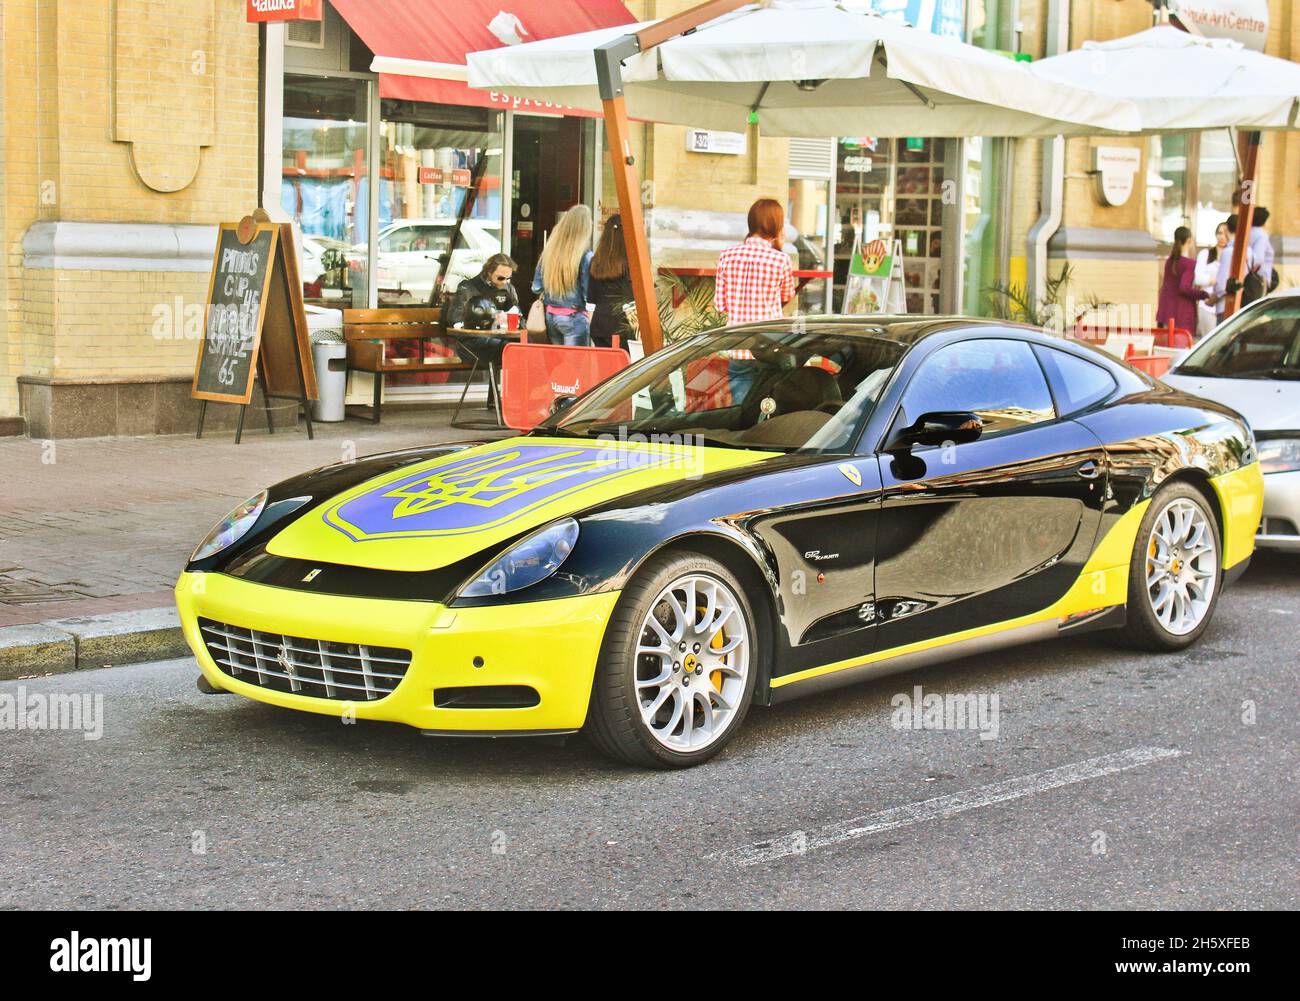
(851, 473)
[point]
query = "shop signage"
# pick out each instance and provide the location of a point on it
(857, 164)
(461, 177)
(1116, 169)
(708, 141)
(1244, 21)
(431, 175)
(283, 10)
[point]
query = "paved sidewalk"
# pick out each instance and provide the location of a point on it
(98, 526)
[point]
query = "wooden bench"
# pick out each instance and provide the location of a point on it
(368, 331)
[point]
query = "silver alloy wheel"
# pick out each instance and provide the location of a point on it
(692, 662)
(1181, 566)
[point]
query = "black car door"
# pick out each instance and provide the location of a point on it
(985, 531)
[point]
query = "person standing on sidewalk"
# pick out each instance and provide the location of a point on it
(611, 285)
(562, 277)
(754, 282)
(1178, 292)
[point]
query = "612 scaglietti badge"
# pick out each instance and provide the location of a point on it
(746, 516)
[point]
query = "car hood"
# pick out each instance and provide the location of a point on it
(438, 511)
(1268, 404)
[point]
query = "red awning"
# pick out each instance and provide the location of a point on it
(443, 32)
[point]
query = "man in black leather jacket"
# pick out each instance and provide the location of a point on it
(493, 282)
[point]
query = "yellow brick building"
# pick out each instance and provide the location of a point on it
(126, 135)
(130, 128)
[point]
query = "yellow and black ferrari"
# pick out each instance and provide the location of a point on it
(742, 517)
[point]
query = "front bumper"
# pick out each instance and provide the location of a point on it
(550, 646)
(1281, 513)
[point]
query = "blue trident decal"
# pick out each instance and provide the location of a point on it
(476, 492)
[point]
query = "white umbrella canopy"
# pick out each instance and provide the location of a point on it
(1180, 81)
(810, 67)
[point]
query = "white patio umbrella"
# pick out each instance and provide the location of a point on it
(809, 68)
(1181, 82)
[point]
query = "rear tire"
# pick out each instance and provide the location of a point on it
(1174, 573)
(677, 668)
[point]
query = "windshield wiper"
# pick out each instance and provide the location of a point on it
(1194, 370)
(558, 432)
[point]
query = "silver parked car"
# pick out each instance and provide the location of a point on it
(1252, 363)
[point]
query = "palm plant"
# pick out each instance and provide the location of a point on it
(1014, 301)
(685, 308)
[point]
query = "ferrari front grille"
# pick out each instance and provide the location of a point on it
(322, 669)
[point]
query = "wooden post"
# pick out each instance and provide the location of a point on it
(1249, 151)
(628, 187)
(609, 76)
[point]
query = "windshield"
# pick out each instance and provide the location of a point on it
(1258, 343)
(775, 388)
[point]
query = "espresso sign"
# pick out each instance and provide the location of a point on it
(241, 275)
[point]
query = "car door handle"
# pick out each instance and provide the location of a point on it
(1089, 470)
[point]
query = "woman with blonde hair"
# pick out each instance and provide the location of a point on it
(563, 275)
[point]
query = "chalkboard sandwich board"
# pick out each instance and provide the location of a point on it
(256, 325)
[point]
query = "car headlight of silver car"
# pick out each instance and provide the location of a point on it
(1279, 455)
(231, 528)
(533, 560)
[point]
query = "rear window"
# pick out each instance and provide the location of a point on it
(1077, 384)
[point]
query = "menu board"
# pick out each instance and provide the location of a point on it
(237, 295)
(256, 326)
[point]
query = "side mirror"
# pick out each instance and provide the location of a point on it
(938, 428)
(562, 403)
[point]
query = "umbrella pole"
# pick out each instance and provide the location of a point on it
(1249, 142)
(609, 76)
(629, 206)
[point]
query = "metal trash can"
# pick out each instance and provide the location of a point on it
(331, 360)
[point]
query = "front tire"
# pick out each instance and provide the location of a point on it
(1175, 573)
(677, 669)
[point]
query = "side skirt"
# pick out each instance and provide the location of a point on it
(1019, 635)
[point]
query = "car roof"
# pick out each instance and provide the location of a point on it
(900, 329)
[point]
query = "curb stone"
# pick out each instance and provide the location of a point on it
(91, 641)
(36, 649)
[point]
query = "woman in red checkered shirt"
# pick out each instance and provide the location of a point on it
(754, 281)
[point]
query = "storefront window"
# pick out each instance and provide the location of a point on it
(1216, 180)
(325, 187)
(1167, 185)
(891, 189)
(432, 159)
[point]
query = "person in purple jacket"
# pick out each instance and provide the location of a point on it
(1178, 292)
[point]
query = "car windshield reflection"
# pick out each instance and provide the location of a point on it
(772, 388)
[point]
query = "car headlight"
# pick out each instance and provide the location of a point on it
(231, 528)
(533, 560)
(1279, 455)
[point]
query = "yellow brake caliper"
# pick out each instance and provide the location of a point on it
(717, 643)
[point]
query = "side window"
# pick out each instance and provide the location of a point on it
(999, 380)
(396, 241)
(1077, 383)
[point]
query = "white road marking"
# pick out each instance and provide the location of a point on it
(800, 843)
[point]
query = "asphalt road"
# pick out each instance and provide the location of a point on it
(194, 801)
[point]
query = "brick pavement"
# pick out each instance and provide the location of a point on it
(105, 524)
